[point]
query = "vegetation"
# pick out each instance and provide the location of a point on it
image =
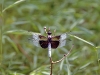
(19, 18)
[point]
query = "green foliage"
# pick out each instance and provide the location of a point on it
(19, 19)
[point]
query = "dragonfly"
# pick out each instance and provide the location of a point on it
(49, 41)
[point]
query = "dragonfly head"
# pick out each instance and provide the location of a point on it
(48, 32)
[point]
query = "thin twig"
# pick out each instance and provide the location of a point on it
(51, 66)
(65, 55)
(52, 62)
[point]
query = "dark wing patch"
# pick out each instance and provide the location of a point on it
(54, 44)
(43, 41)
(43, 44)
(55, 41)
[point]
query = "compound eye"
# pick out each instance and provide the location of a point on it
(49, 33)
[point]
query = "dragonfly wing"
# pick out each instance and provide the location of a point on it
(63, 40)
(43, 41)
(55, 41)
(62, 43)
(54, 44)
(36, 39)
(43, 44)
(63, 36)
(59, 41)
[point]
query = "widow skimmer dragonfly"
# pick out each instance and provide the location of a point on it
(49, 41)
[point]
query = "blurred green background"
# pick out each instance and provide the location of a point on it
(18, 55)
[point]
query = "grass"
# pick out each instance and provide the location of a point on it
(20, 18)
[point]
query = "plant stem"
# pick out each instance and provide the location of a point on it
(51, 65)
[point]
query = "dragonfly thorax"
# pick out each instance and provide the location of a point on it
(49, 38)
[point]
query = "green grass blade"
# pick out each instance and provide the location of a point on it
(82, 40)
(17, 2)
(20, 32)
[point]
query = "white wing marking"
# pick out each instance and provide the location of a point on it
(63, 40)
(36, 39)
